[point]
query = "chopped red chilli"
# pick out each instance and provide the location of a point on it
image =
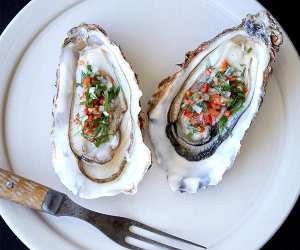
(96, 101)
(217, 95)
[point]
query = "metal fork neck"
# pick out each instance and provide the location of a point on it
(53, 202)
(59, 204)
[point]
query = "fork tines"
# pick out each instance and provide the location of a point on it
(150, 241)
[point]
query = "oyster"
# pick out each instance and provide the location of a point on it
(98, 149)
(206, 107)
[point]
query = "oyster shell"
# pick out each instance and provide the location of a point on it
(98, 149)
(206, 107)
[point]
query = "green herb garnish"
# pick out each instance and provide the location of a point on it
(106, 101)
(189, 136)
(195, 130)
(227, 87)
(113, 92)
(243, 73)
(189, 107)
(89, 68)
(222, 122)
(236, 105)
(89, 100)
(100, 140)
(97, 128)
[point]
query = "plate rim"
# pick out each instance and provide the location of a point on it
(12, 25)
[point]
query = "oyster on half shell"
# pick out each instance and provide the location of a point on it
(199, 115)
(98, 149)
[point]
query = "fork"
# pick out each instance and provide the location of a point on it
(119, 229)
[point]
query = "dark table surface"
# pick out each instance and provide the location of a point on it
(285, 12)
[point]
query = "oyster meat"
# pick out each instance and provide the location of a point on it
(206, 107)
(98, 148)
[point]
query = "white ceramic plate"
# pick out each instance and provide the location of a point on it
(240, 213)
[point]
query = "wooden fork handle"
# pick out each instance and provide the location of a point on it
(20, 190)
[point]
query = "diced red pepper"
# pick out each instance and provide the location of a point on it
(201, 129)
(88, 132)
(188, 93)
(214, 113)
(110, 112)
(224, 65)
(187, 113)
(101, 100)
(207, 119)
(216, 99)
(209, 104)
(205, 87)
(95, 103)
(215, 106)
(94, 80)
(86, 82)
(90, 118)
(227, 113)
(86, 124)
(97, 116)
(95, 125)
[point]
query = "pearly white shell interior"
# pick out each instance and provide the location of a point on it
(192, 175)
(131, 149)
